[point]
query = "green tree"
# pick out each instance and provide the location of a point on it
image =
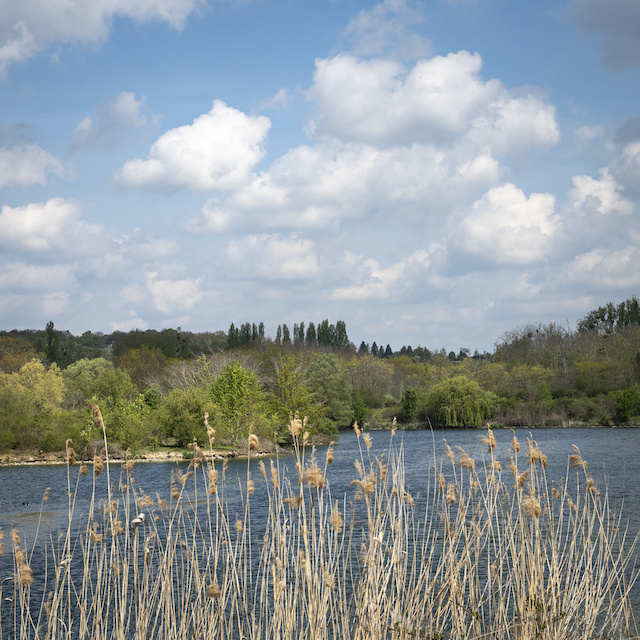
(53, 343)
(311, 339)
(332, 386)
(458, 402)
(627, 403)
(240, 400)
(409, 405)
(289, 393)
(182, 415)
(96, 379)
(30, 401)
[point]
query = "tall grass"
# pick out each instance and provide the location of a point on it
(492, 549)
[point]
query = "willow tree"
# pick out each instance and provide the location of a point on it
(458, 402)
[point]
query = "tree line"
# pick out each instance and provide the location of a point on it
(155, 387)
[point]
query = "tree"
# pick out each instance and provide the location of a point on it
(142, 365)
(371, 379)
(240, 400)
(30, 402)
(409, 405)
(311, 339)
(98, 380)
(286, 335)
(182, 415)
(15, 352)
(458, 402)
(53, 343)
(289, 394)
(330, 381)
(341, 339)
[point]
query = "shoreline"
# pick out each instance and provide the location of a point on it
(30, 458)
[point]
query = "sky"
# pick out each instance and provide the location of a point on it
(433, 173)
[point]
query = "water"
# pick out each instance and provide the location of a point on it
(612, 455)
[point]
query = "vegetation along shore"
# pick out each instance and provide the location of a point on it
(154, 386)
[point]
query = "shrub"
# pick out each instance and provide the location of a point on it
(458, 402)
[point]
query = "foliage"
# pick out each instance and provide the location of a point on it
(372, 378)
(241, 402)
(330, 382)
(458, 402)
(409, 405)
(182, 415)
(16, 352)
(627, 402)
(29, 400)
(98, 379)
(289, 392)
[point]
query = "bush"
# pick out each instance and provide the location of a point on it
(458, 402)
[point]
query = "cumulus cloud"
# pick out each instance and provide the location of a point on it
(273, 257)
(382, 102)
(601, 196)
(385, 283)
(437, 101)
(172, 297)
(608, 270)
(22, 162)
(48, 226)
(114, 119)
(28, 27)
(504, 227)
(616, 23)
(324, 186)
(217, 151)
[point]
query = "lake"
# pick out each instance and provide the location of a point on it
(612, 455)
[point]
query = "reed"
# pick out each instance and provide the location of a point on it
(483, 553)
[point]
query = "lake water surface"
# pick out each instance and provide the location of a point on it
(613, 456)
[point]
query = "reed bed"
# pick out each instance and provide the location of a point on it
(491, 549)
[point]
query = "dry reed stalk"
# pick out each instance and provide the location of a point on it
(472, 557)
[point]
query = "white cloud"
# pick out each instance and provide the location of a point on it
(30, 26)
(171, 297)
(114, 119)
(609, 270)
(385, 283)
(24, 164)
(45, 226)
(602, 196)
(324, 186)
(512, 123)
(505, 227)
(217, 151)
(273, 257)
(381, 102)
(18, 276)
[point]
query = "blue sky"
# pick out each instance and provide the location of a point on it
(433, 173)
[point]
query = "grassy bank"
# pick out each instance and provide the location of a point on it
(491, 549)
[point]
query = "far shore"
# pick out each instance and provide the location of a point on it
(28, 458)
